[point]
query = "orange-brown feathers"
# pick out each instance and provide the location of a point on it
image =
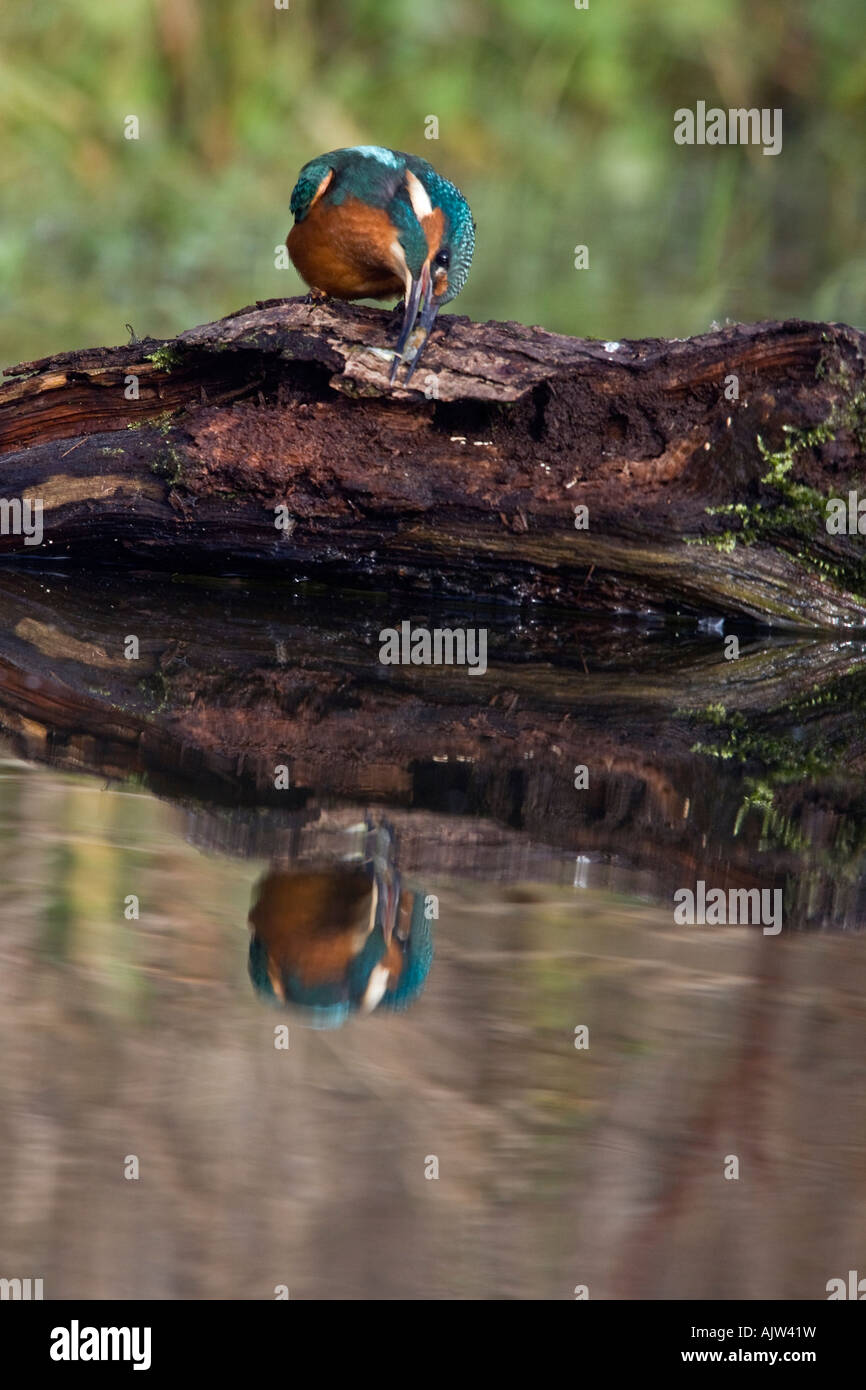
(434, 228)
(313, 923)
(348, 250)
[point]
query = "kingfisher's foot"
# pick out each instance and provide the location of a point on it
(316, 297)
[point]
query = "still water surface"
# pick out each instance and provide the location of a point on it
(461, 1146)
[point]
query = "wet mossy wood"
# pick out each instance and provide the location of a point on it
(705, 464)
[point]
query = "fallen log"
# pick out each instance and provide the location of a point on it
(689, 476)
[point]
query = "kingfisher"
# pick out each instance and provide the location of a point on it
(371, 223)
(350, 938)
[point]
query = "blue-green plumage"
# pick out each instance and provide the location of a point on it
(459, 235)
(370, 222)
(418, 959)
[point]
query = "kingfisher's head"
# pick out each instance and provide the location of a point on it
(436, 231)
(449, 231)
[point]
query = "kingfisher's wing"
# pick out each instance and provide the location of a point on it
(368, 172)
(313, 179)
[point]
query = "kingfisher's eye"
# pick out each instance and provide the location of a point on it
(442, 257)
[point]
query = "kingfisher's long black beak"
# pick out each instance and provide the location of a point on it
(426, 319)
(421, 309)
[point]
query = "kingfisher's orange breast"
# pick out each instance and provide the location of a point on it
(348, 250)
(313, 923)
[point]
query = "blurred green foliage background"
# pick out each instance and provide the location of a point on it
(556, 122)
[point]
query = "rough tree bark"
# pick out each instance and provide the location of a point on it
(705, 464)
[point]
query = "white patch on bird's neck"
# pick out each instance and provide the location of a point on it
(398, 262)
(376, 986)
(418, 196)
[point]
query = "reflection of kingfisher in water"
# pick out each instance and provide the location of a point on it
(332, 942)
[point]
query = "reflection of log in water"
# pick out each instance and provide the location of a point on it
(571, 471)
(478, 773)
